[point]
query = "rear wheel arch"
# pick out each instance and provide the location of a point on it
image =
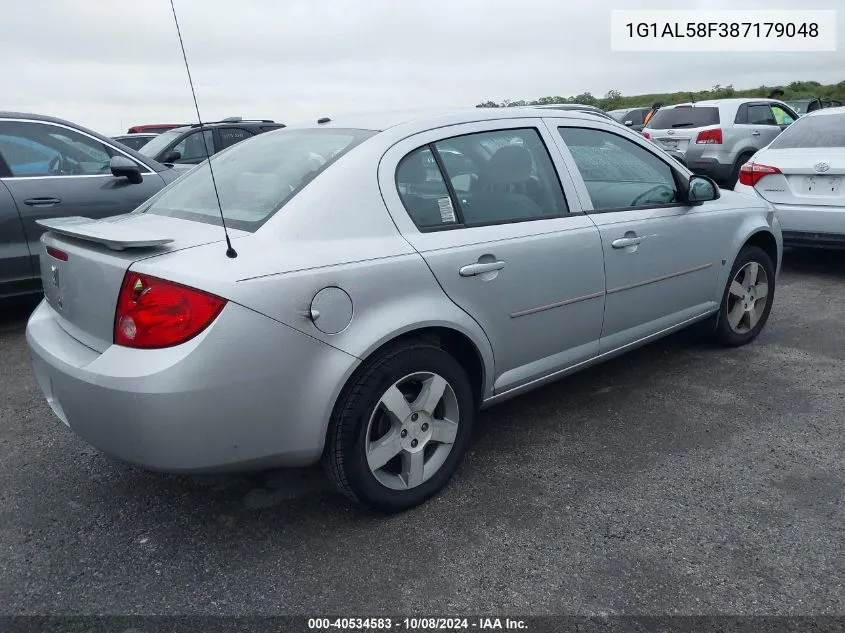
(765, 240)
(456, 343)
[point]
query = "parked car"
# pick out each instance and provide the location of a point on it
(135, 141)
(50, 168)
(630, 117)
(183, 145)
(154, 128)
(801, 173)
(805, 106)
(377, 297)
(719, 136)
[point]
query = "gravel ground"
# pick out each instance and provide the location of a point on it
(678, 479)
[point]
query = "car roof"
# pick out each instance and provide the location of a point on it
(430, 119)
(826, 111)
(233, 122)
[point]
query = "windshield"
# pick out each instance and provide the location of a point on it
(667, 118)
(823, 130)
(255, 177)
(154, 147)
(800, 106)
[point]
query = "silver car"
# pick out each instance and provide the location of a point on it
(719, 136)
(388, 277)
(802, 173)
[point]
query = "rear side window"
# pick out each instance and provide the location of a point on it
(254, 179)
(618, 173)
(490, 178)
(813, 131)
(667, 118)
(231, 135)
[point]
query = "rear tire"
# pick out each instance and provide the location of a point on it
(400, 427)
(747, 298)
(743, 158)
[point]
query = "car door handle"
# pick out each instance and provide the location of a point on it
(755, 133)
(41, 202)
(479, 269)
(624, 242)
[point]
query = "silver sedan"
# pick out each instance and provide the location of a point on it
(388, 277)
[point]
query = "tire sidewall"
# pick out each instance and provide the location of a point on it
(746, 255)
(363, 482)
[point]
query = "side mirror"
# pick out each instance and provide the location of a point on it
(172, 156)
(122, 167)
(702, 189)
(629, 123)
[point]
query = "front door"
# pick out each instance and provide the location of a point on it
(71, 177)
(17, 276)
(505, 241)
(660, 257)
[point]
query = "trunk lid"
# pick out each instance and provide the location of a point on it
(83, 275)
(809, 176)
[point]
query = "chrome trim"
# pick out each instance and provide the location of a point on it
(556, 304)
(68, 176)
(662, 278)
(83, 133)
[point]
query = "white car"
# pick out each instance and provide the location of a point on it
(801, 173)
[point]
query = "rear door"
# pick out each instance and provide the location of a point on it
(506, 241)
(757, 123)
(73, 178)
(661, 256)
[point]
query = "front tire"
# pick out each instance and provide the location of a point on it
(400, 427)
(747, 299)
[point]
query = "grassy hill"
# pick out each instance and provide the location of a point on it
(614, 99)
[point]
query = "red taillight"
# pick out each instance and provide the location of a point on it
(55, 252)
(153, 313)
(710, 137)
(646, 134)
(751, 173)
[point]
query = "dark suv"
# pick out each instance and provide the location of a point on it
(183, 145)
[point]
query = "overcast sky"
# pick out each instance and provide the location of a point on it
(108, 64)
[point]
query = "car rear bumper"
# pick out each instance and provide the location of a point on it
(248, 392)
(711, 167)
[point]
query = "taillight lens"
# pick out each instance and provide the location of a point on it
(55, 252)
(709, 137)
(751, 173)
(646, 134)
(154, 313)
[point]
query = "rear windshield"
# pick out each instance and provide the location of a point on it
(823, 130)
(255, 177)
(667, 118)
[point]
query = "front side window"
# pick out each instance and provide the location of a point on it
(494, 177)
(618, 173)
(191, 150)
(782, 117)
(254, 179)
(41, 149)
(761, 114)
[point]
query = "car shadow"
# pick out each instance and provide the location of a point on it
(829, 263)
(14, 312)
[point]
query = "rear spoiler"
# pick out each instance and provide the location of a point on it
(109, 232)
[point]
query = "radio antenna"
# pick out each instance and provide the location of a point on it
(230, 252)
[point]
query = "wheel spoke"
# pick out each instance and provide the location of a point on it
(383, 450)
(754, 315)
(444, 431)
(762, 290)
(396, 404)
(749, 278)
(413, 467)
(431, 394)
(735, 315)
(736, 289)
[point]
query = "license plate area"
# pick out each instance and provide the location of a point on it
(822, 185)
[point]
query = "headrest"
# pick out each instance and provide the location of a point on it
(510, 163)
